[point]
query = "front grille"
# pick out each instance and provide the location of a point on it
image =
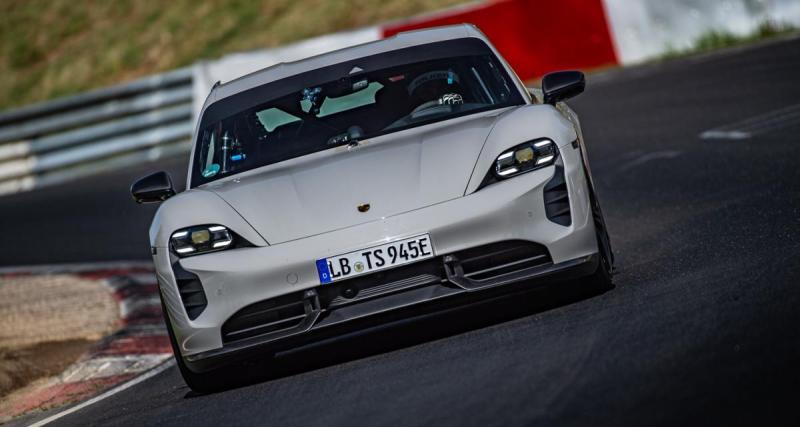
(556, 198)
(272, 315)
(497, 259)
(191, 290)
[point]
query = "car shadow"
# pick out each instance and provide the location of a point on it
(457, 320)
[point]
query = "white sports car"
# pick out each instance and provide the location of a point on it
(384, 178)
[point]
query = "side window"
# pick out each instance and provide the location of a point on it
(361, 98)
(273, 118)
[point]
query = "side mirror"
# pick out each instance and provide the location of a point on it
(152, 188)
(562, 85)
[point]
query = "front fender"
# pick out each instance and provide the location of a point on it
(515, 127)
(198, 207)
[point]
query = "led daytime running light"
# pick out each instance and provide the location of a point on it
(201, 239)
(526, 157)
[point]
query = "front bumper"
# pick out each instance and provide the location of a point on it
(511, 210)
(324, 317)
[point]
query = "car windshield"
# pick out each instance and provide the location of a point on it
(343, 109)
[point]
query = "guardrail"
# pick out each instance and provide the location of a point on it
(106, 129)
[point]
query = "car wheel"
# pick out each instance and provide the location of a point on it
(603, 276)
(206, 382)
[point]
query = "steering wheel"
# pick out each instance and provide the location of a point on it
(425, 105)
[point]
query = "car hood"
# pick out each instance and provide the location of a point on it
(393, 173)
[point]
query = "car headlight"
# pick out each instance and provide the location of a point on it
(201, 239)
(526, 157)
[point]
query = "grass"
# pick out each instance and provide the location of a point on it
(718, 39)
(53, 48)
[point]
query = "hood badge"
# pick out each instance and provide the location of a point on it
(363, 207)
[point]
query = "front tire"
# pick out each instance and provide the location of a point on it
(603, 276)
(205, 382)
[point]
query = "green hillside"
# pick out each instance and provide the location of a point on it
(52, 48)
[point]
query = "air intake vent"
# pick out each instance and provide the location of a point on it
(272, 315)
(495, 260)
(191, 290)
(556, 198)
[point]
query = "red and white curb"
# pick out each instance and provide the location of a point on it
(139, 345)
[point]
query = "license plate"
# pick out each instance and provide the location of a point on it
(373, 259)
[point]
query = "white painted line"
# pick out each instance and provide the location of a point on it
(109, 366)
(649, 157)
(722, 134)
(757, 125)
(155, 371)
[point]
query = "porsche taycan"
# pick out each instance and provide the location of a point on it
(385, 178)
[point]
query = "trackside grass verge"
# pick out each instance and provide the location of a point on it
(51, 48)
(719, 39)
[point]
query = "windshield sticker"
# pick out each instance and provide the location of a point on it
(211, 170)
(311, 95)
(361, 84)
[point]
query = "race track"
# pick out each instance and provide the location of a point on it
(702, 327)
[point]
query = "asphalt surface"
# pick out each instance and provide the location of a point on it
(92, 219)
(702, 327)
